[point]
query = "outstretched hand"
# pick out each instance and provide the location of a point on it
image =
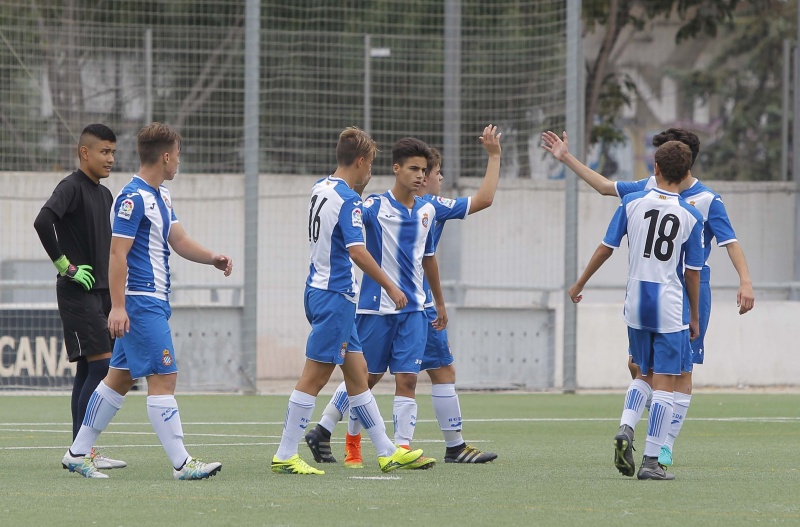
(555, 145)
(491, 140)
(223, 263)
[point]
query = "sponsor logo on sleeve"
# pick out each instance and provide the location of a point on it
(357, 222)
(447, 202)
(125, 209)
(368, 202)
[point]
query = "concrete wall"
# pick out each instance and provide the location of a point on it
(510, 256)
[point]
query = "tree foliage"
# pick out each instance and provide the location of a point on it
(608, 90)
(743, 86)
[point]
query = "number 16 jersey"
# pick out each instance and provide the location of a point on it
(664, 234)
(334, 225)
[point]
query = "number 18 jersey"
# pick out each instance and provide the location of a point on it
(664, 234)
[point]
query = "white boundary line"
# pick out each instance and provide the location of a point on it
(491, 420)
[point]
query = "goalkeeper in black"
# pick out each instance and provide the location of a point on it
(74, 227)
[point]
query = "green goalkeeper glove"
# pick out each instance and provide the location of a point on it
(81, 274)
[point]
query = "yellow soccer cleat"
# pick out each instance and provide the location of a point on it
(399, 459)
(293, 465)
(422, 462)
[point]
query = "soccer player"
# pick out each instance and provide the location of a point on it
(437, 359)
(75, 232)
(336, 240)
(664, 236)
(716, 225)
(143, 223)
(399, 236)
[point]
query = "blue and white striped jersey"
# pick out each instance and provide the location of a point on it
(716, 223)
(334, 225)
(145, 215)
(446, 209)
(664, 234)
(397, 238)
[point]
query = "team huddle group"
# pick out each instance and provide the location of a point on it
(114, 282)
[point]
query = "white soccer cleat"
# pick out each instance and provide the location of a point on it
(83, 465)
(196, 469)
(105, 463)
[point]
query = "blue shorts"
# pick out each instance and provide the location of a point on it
(396, 342)
(437, 347)
(664, 353)
(333, 331)
(147, 349)
(698, 346)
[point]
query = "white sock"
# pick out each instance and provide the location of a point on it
(639, 392)
(448, 413)
(166, 420)
(366, 410)
(679, 409)
(298, 416)
(103, 406)
(353, 423)
(658, 426)
(336, 409)
(405, 419)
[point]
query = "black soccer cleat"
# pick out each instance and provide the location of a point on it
(467, 454)
(319, 441)
(623, 451)
(652, 469)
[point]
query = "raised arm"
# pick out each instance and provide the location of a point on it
(484, 198)
(560, 150)
(601, 254)
(745, 298)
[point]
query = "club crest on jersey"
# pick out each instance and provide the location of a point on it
(166, 201)
(125, 209)
(447, 202)
(343, 349)
(166, 358)
(425, 220)
(357, 221)
(661, 196)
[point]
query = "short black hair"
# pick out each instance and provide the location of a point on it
(99, 131)
(411, 147)
(679, 134)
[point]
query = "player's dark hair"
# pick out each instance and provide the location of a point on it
(435, 160)
(679, 134)
(98, 131)
(354, 143)
(674, 159)
(155, 139)
(411, 147)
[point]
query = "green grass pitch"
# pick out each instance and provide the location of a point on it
(737, 462)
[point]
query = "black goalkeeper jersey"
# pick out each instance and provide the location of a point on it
(83, 228)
